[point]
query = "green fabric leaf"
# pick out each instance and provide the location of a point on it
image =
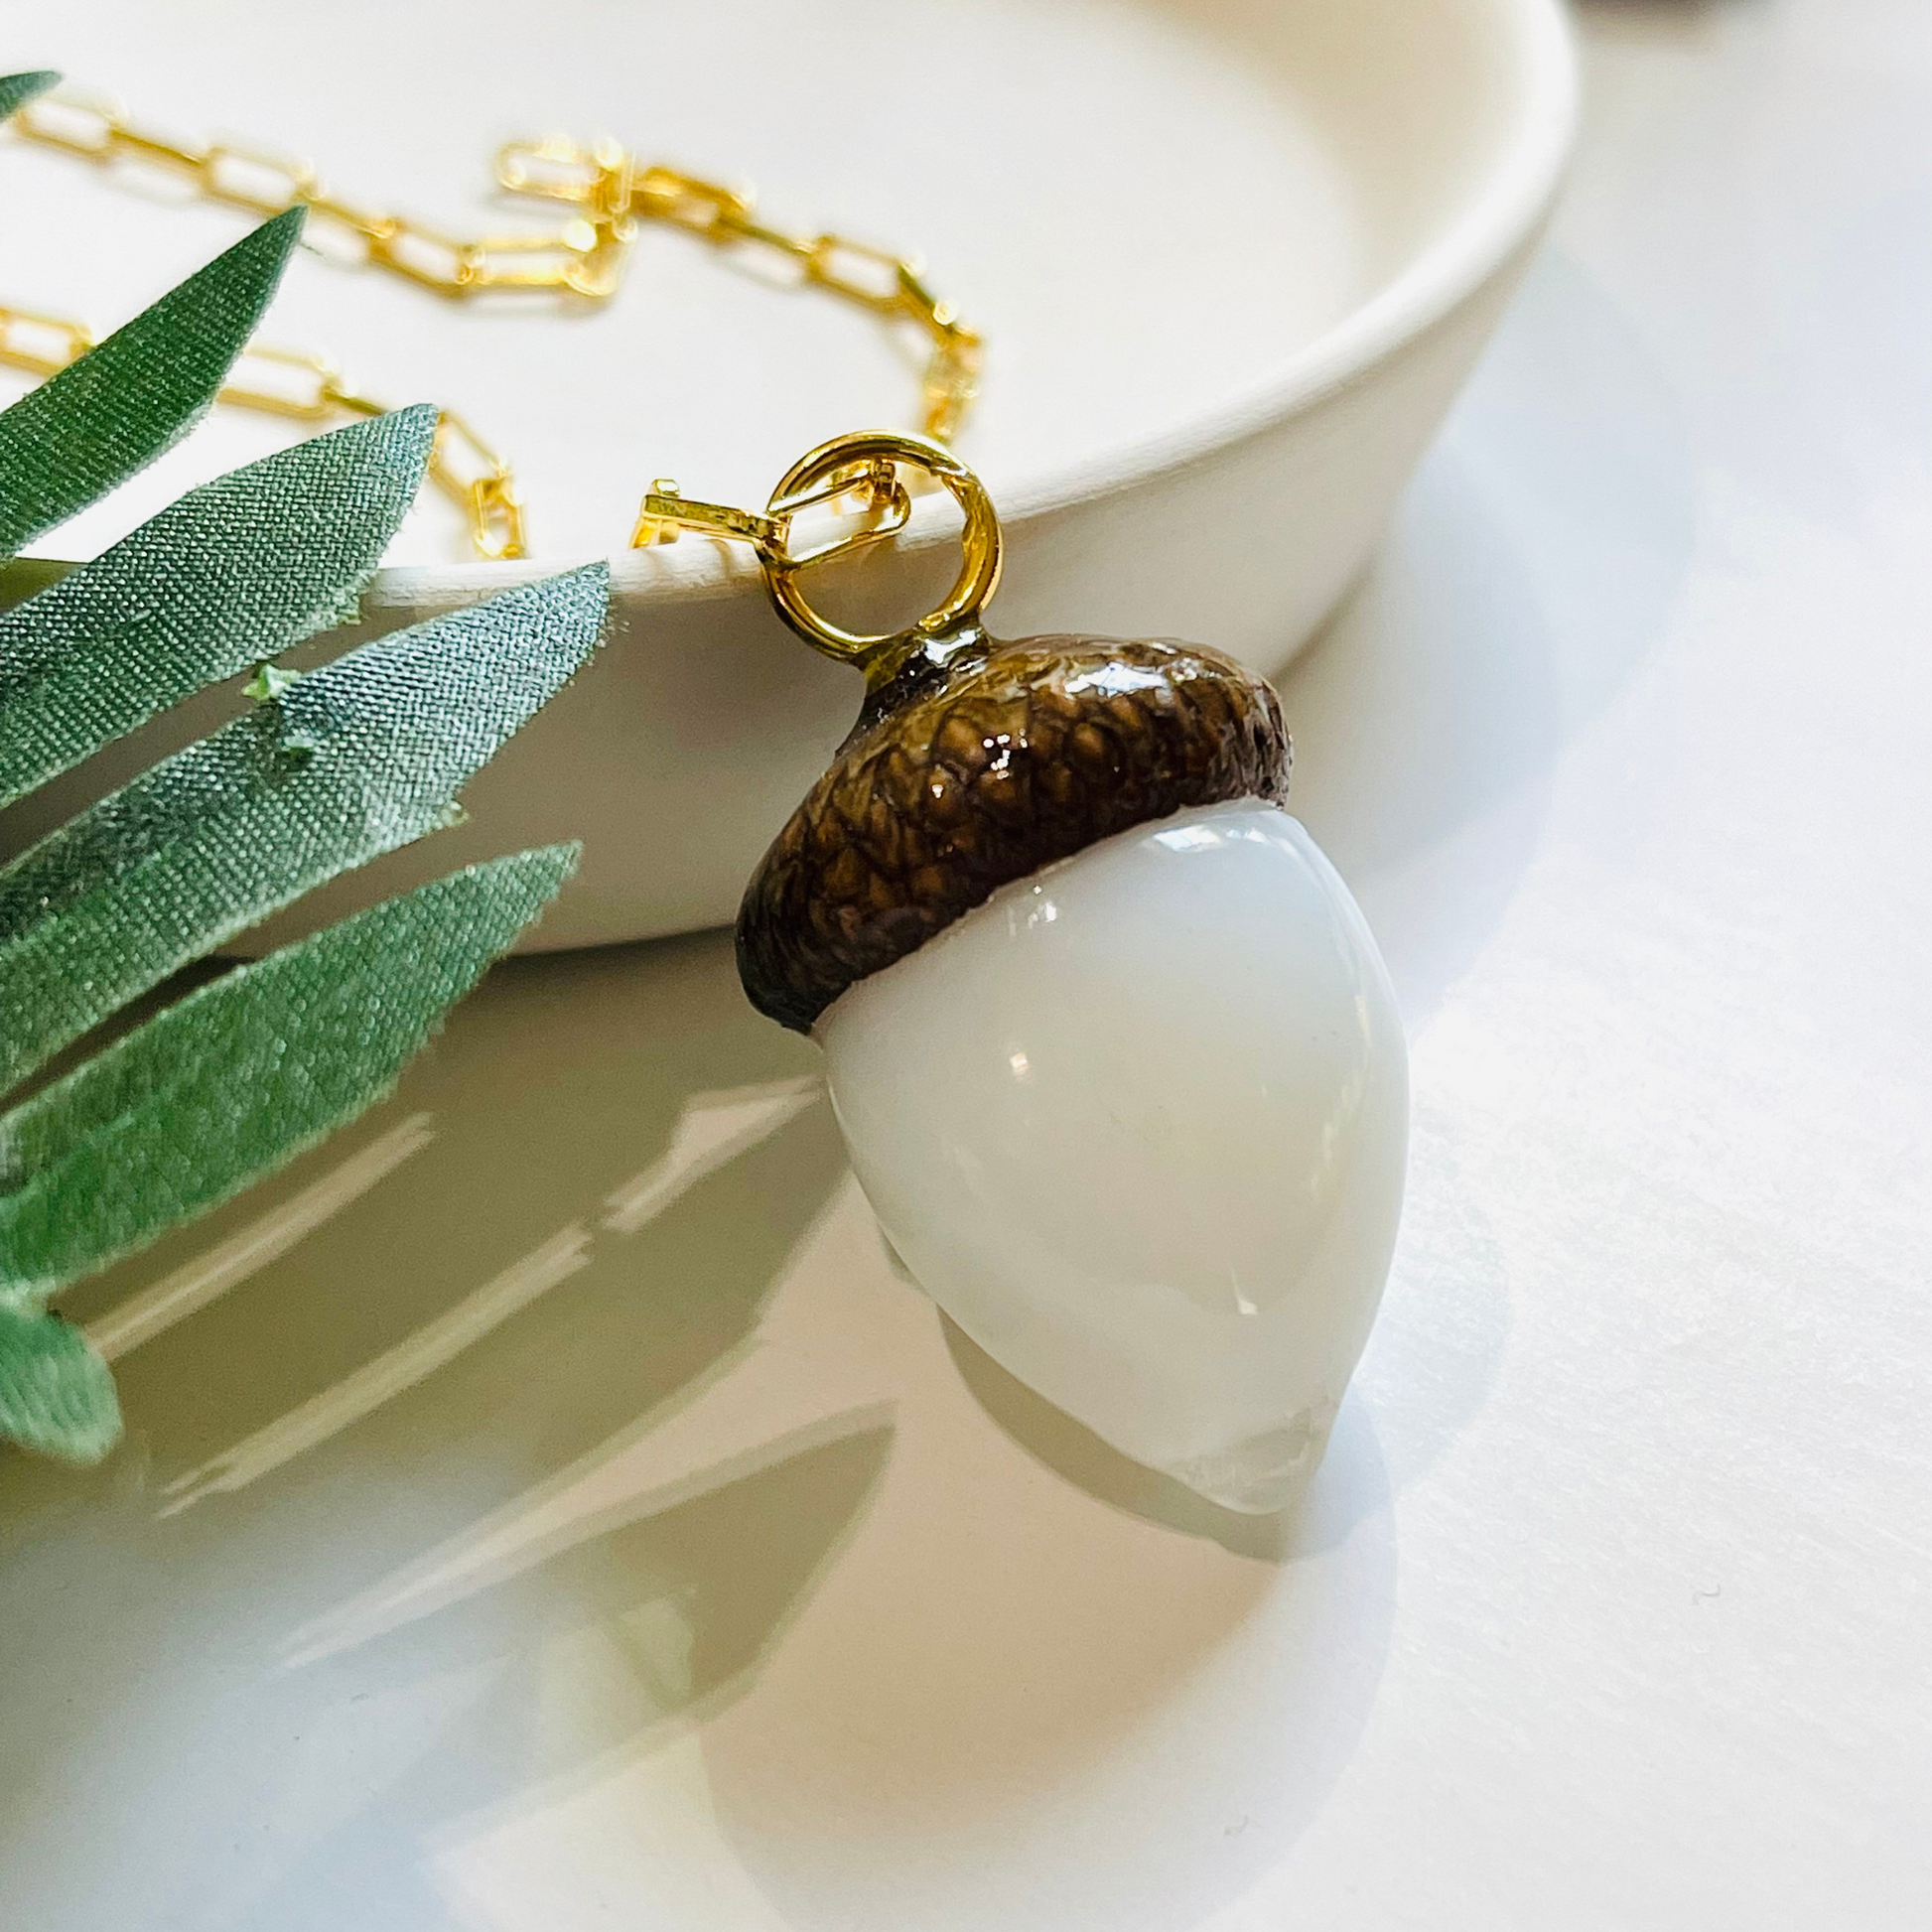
(225, 1087)
(16, 89)
(232, 573)
(55, 1394)
(88, 428)
(350, 762)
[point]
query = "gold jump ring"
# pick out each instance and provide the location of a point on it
(980, 541)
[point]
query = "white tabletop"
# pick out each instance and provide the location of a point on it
(545, 1511)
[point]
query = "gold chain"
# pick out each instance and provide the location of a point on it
(309, 388)
(586, 258)
(616, 191)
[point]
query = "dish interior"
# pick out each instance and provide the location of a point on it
(1150, 212)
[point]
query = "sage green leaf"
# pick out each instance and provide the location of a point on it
(350, 761)
(239, 1077)
(16, 89)
(88, 428)
(232, 573)
(55, 1394)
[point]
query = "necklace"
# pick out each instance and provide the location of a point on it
(1116, 1059)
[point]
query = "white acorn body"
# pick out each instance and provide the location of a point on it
(1139, 1124)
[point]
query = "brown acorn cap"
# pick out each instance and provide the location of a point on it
(960, 778)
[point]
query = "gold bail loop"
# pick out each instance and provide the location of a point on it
(866, 463)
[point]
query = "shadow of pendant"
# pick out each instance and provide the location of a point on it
(1074, 1450)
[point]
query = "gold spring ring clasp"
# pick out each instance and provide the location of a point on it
(865, 464)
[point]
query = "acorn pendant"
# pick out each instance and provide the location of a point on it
(1115, 1056)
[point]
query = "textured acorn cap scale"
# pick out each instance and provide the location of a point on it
(963, 775)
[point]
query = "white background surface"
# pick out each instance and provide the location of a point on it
(581, 1527)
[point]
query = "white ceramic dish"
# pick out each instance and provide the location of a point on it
(1233, 258)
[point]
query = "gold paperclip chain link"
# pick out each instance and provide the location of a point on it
(309, 388)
